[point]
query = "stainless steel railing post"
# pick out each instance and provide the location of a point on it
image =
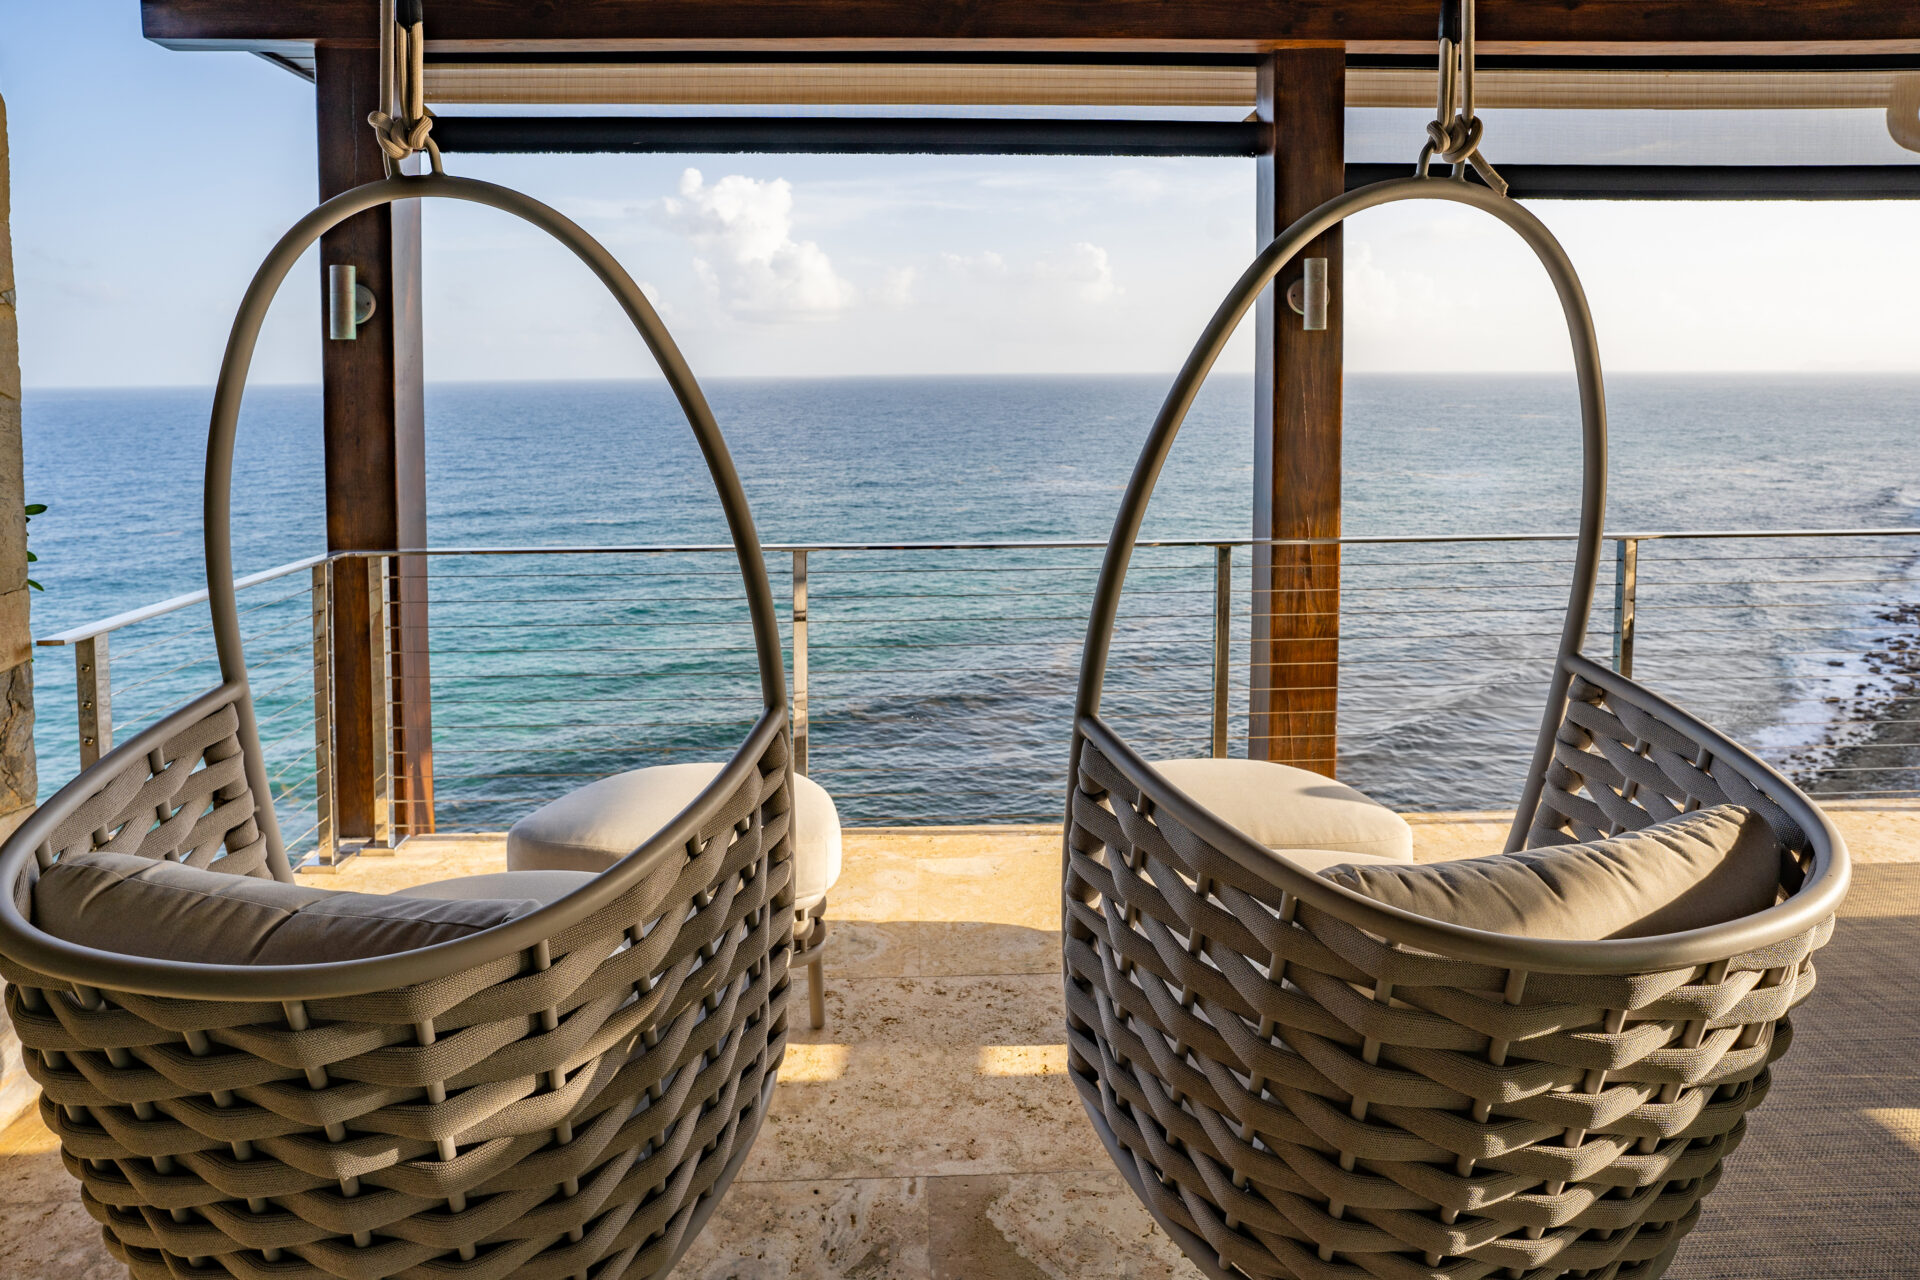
(326, 851)
(93, 691)
(800, 662)
(1222, 636)
(1626, 572)
(377, 637)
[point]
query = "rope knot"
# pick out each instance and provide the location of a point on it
(1456, 140)
(398, 137)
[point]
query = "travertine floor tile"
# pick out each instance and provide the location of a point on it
(44, 1233)
(932, 948)
(1441, 837)
(929, 1132)
(919, 1110)
(1884, 831)
(925, 1075)
(950, 1012)
(1047, 1226)
(1011, 888)
(869, 1229)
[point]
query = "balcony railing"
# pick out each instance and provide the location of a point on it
(932, 682)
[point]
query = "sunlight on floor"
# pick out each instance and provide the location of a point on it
(813, 1063)
(1902, 1122)
(1022, 1059)
(27, 1137)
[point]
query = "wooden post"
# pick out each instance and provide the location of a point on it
(1296, 590)
(375, 414)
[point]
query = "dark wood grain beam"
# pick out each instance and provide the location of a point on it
(1251, 26)
(1294, 682)
(373, 409)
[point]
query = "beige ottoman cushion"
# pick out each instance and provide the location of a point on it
(1282, 807)
(1321, 860)
(601, 823)
(149, 907)
(1685, 873)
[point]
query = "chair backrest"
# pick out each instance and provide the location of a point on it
(232, 385)
(1213, 340)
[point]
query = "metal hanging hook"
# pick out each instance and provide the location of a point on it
(1455, 132)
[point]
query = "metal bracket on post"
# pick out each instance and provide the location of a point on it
(93, 691)
(1310, 294)
(800, 662)
(350, 304)
(1222, 636)
(1626, 587)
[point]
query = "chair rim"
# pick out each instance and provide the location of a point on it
(26, 943)
(1811, 905)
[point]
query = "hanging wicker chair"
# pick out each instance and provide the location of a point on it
(1302, 1081)
(566, 1091)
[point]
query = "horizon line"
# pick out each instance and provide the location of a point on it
(931, 377)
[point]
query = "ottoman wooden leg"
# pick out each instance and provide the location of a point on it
(809, 939)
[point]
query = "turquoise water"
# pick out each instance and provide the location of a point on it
(939, 681)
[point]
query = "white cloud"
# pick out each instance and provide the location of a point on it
(743, 228)
(1081, 272)
(896, 288)
(985, 264)
(1083, 268)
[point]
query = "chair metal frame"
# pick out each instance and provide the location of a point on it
(571, 1090)
(1280, 1066)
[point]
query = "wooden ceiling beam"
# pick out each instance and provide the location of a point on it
(1746, 27)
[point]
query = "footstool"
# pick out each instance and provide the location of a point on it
(601, 823)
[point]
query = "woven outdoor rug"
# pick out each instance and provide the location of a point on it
(1827, 1185)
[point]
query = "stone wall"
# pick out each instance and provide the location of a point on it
(18, 779)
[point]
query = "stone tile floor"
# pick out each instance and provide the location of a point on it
(928, 1132)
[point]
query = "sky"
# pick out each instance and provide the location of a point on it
(148, 184)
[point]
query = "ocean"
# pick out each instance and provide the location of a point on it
(939, 681)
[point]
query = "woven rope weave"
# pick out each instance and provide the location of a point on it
(191, 804)
(1294, 1096)
(564, 1111)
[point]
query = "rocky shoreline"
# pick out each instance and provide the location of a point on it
(1876, 747)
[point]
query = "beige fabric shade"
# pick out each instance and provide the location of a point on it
(1042, 84)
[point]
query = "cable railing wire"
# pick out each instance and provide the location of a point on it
(924, 665)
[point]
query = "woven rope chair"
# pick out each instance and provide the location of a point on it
(564, 1094)
(1301, 1082)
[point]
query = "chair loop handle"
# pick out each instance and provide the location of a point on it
(1213, 339)
(232, 385)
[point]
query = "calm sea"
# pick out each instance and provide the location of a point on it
(941, 681)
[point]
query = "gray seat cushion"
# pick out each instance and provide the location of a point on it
(594, 827)
(542, 887)
(1688, 872)
(1282, 807)
(148, 907)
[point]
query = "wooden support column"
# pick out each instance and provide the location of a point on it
(375, 416)
(1294, 684)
